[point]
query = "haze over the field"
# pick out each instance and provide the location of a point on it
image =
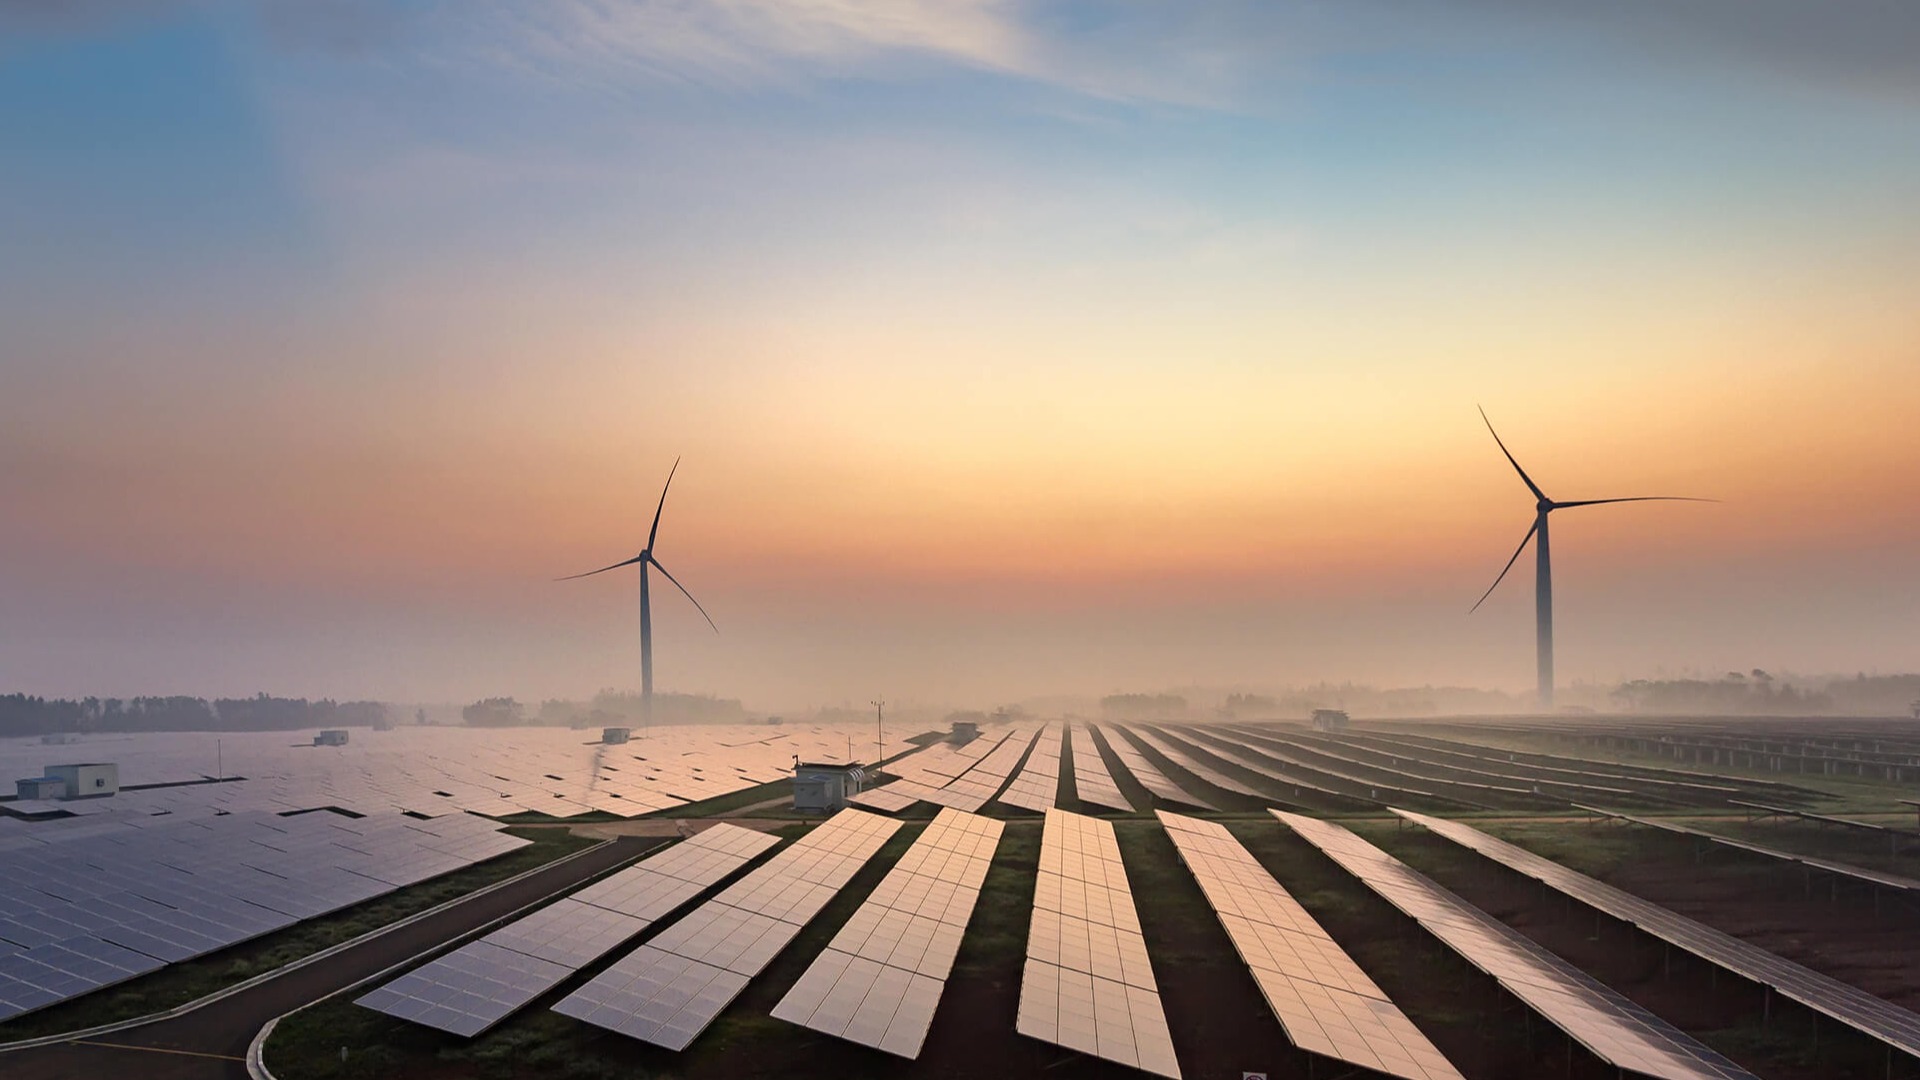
(1013, 347)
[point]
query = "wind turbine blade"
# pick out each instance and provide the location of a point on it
(1503, 570)
(683, 589)
(655, 531)
(1640, 498)
(1524, 478)
(602, 570)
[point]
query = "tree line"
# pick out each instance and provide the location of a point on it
(608, 708)
(23, 714)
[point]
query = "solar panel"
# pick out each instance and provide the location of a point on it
(1038, 784)
(1318, 749)
(926, 774)
(93, 904)
(469, 990)
(483, 982)
(962, 777)
(977, 786)
(1324, 1001)
(1612, 1027)
(1277, 766)
(1178, 753)
(890, 799)
(667, 991)
(879, 980)
(1088, 984)
(1150, 776)
(438, 771)
(1092, 782)
(1873, 1016)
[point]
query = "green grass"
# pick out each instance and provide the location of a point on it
(178, 984)
(996, 937)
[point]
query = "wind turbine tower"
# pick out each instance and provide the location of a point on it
(646, 560)
(1543, 562)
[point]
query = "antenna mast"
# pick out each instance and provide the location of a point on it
(879, 719)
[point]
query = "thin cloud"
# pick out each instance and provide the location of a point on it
(1129, 52)
(742, 42)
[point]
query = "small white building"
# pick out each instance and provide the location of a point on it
(331, 737)
(825, 786)
(40, 787)
(95, 780)
(614, 736)
(964, 732)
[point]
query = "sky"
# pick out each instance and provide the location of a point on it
(1008, 347)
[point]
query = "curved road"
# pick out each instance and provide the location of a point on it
(211, 1043)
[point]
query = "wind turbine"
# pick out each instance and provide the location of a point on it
(1543, 568)
(645, 559)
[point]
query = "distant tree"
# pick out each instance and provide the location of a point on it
(1143, 706)
(493, 712)
(672, 708)
(1238, 705)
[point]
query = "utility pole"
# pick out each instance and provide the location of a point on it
(879, 721)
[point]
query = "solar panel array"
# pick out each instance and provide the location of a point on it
(1273, 764)
(1282, 744)
(1881, 1019)
(1088, 983)
(1038, 785)
(88, 903)
(1150, 776)
(1180, 755)
(668, 990)
(1324, 1001)
(1612, 1027)
(1443, 752)
(879, 980)
(925, 777)
(1092, 783)
(436, 770)
(483, 982)
(978, 785)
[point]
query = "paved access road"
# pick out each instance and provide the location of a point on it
(211, 1043)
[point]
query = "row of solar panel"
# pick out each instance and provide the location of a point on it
(1088, 982)
(880, 979)
(954, 778)
(1873, 1016)
(436, 771)
(667, 991)
(134, 895)
(483, 982)
(1038, 783)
